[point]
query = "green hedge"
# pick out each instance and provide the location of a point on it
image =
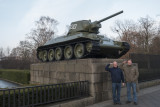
(19, 76)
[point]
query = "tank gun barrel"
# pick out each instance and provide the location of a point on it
(110, 16)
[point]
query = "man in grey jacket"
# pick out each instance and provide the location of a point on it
(131, 77)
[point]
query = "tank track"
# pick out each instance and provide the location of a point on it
(91, 54)
(125, 50)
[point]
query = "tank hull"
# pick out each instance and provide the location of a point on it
(101, 47)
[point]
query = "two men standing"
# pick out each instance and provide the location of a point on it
(131, 77)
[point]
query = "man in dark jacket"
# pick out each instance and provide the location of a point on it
(117, 77)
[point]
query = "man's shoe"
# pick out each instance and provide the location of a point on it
(127, 102)
(119, 103)
(135, 103)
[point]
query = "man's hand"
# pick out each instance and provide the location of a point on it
(123, 84)
(124, 62)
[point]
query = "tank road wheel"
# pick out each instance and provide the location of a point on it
(51, 55)
(89, 46)
(79, 50)
(40, 55)
(58, 54)
(68, 52)
(44, 57)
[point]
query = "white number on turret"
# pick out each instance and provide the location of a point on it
(73, 26)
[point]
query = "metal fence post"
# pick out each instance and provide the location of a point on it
(37, 95)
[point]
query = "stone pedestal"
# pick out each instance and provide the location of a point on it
(92, 70)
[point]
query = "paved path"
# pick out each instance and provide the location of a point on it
(149, 97)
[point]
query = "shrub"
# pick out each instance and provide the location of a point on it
(19, 76)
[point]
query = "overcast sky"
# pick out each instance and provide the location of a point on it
(17, 17)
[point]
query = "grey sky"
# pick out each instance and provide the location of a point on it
(17, 16)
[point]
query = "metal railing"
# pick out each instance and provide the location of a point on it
(147, 61)
(42, 94)
(148, 66)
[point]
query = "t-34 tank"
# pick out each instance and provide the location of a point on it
(82, 41)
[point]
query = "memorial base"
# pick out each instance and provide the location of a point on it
(92, 70)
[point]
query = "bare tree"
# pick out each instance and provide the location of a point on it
(25, 53)
(147, 31)
(127, 31)
(2, 52)
(44, 31)
(123, 28)
(139, 35)
(155, 45)
(8, 50)
(15, 53)
(24, 49)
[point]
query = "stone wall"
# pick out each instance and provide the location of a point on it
(92, 70)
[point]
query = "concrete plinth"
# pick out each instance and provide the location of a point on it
(92, 70)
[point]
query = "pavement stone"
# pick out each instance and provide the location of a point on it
(148, 97)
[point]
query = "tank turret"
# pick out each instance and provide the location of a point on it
(82, 41)
(88, 26)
